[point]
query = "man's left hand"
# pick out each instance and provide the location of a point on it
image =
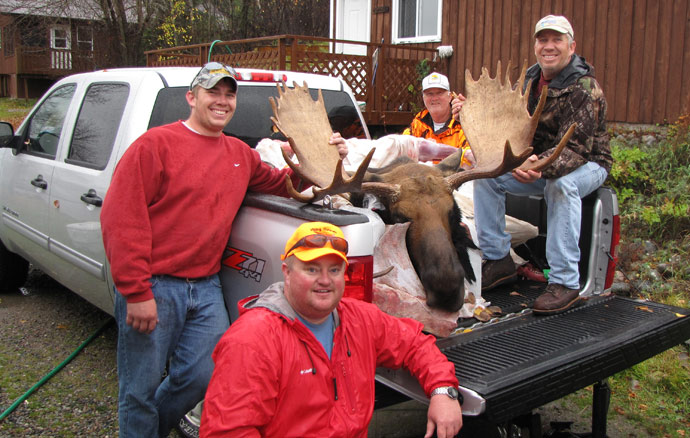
(527, 177)
(445, 416)
(338, 141)
(456, 105)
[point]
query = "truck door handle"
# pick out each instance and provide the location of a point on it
(39, 182)
(92, 198)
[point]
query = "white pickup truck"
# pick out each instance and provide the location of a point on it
(55, 171)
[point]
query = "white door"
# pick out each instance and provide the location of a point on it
(353, 22)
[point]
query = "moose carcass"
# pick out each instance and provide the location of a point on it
(499, 130)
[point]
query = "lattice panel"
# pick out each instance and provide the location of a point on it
(350, 68)
(400, 76)
(267, 59)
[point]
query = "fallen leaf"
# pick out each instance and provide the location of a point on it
(516, 294)
(619, 410)
(642, 406)
(61, 326)
(634, 384)
(680, 315)
(495, 310)
(523, 304)
(644, 309)
(482, 314)
(680, 432)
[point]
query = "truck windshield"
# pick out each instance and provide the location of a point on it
(252, 119)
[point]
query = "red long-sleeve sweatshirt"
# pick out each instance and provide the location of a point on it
(171, 203)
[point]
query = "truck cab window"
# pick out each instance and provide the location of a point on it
(45, 127)
(252, 119)
(97, 125)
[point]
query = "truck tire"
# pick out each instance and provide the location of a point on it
(188, 426)
(14, 270)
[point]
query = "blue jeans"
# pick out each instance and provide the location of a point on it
(191, 320)
(563, 198)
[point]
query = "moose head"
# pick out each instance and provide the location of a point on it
(499, 130)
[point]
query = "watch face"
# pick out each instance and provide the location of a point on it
(453, 393)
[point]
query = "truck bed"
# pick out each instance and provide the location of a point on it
(510, 367)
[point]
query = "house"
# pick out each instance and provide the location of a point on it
(39, 45)
(640, 48)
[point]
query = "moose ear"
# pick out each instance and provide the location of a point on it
(451, 164)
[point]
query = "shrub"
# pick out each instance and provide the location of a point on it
(652, 183)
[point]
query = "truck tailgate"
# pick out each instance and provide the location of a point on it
(526, 361)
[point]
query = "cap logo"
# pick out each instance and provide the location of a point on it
(218, 71)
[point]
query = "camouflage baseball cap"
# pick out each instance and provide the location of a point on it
(211, 73)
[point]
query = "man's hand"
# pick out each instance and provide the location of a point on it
(445, 416)
(527, 177)
(142, 316)
(456, 105)
(338, 141)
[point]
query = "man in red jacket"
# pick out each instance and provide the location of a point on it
(166, 219)
(301, 359)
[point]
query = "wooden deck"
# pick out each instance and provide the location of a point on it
(48, 63)
(386, 79)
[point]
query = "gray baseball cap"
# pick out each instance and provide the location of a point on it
(211, 73)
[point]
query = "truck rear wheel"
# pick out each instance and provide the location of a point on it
(14, 270)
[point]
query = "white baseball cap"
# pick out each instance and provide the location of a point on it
(435, 80)
(554, 22)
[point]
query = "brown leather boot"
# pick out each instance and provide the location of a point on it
(555, 299)
(498, 272)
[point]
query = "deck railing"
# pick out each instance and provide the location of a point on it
(52, 62)
(384, 77)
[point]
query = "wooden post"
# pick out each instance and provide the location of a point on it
(282, 54)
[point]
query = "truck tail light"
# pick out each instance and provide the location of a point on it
(359, 278)
(613, 255)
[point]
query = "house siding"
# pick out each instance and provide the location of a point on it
(640, 49)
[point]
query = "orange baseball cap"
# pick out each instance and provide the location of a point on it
(328, 239)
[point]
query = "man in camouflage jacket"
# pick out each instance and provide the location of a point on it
(574, 96)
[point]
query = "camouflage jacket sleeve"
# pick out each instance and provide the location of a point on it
(582, 104)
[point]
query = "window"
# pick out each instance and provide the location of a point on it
(45, 127)
(252, 122)
(97, 125)
(8, 40)
(416, 21)
(60, 38)
(85, 39)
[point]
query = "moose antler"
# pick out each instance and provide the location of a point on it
(498, 126)
(304, 122)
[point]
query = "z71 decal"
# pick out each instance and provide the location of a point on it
(245, 262)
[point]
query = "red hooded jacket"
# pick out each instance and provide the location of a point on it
(273, 378)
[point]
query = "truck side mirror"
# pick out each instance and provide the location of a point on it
(7, 139)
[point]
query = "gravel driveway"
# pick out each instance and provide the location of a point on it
(40, 330)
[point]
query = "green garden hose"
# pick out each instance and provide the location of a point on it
(55, 370)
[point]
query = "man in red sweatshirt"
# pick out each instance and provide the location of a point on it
(166, 219)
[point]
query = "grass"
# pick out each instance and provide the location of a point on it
(14, 110)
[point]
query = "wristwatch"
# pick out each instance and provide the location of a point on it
(450, 391)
